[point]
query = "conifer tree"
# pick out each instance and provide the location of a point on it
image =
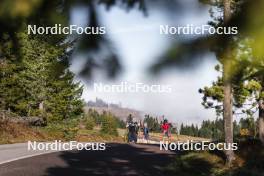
(39, 83)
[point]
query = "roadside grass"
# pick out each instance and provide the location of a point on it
(175, 137)
(73, 129)
(249, 156)
(249, 162)
(197, 164)
(11, 132)
(96, 135)
(158, 136)
(16, 133)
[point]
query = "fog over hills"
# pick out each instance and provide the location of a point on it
(121, 112)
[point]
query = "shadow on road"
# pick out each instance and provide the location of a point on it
(117, 159)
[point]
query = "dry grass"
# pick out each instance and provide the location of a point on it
(158, 136)
(17, 132)
(11, 132)
(175, 137)
(96, 136)
(249, 162)
(197, 164)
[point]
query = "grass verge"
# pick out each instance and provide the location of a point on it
(249, 162)
(11, 132)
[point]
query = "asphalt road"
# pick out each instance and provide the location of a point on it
(11, 152)
(116, 160)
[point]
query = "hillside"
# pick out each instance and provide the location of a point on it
(122, 113)
(119, 112)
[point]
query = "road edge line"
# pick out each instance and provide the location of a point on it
(27, 156)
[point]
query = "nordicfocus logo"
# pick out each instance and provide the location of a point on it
(125, 87)
(59, 29)
(197, 146)
(58, 145)
(190, 29)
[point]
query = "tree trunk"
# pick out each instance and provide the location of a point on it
(41, 108)
(227, 104)
(228, 119)
(261, 121)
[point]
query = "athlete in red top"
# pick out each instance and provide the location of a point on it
(165, 126)
(165, 129)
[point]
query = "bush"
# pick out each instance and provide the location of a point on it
(120, 123)
(89, 123)
(67, 128)
(109, 125)
(95, 115)
(197, 164)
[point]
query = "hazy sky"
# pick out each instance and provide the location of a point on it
(138, 43)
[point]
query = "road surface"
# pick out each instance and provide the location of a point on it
(11, 152)
(116, 160)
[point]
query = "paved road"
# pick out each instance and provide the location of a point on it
(11, 152)
(117, 159)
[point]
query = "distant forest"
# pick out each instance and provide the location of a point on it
(214, 129)
(101, 103)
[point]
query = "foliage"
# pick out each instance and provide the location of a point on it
(189, 130)
(16, 15)
(89, 123)
(11, 132)
(215, 129)
(99, 118)
(95, 115)
(246, 93)
(34, 69)
(200, 163)
(249, 155)
(153, 123)
(34, 86)
(107, 121)
(248, 127)
(109, 125)
(67, 129)
(120, 123)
